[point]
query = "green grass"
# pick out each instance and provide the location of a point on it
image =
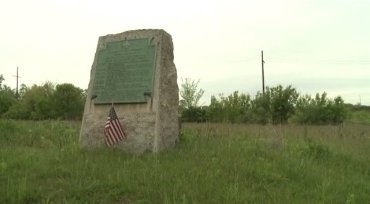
(41, 162)
(360, 116)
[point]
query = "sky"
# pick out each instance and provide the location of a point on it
(314, 45)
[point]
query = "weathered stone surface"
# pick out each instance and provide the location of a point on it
(150, 125)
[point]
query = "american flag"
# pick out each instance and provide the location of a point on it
(113, 128)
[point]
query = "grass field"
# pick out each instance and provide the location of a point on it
(41, 162)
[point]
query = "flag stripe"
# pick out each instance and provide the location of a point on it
(114, 135)
(114, 128)
(117, 128)
(120, 128)
(115, 125)
(118, 125)
(107, 139)
(114, 131)
(111, 141)
(111, 135)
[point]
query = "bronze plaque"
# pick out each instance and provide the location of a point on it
(124, 71)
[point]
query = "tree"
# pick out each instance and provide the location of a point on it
(22, 91)
(68, 101)
(215, 111)
(1, 80)
(282, 103)
(38, 101)
(63, 101)
(7, 97)
(260, 108)
(189, 109)
(338, 111)
(190, 94)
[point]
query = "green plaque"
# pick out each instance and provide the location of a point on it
(124, 71)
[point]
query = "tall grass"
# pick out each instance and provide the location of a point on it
(41, 162)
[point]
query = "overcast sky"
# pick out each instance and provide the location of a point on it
(314, 45)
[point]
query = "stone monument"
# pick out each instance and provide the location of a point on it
(133, 70)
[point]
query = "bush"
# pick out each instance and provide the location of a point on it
(320, 110)
(233, 108)
(7, 97)
(277, 105)
(194, 114)
(18, 111)
(63, 101)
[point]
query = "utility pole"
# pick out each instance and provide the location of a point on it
(16, 90)
(360, 99)
(263, 74)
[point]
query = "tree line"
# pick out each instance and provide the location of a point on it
(41, 102)
(277, 105)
